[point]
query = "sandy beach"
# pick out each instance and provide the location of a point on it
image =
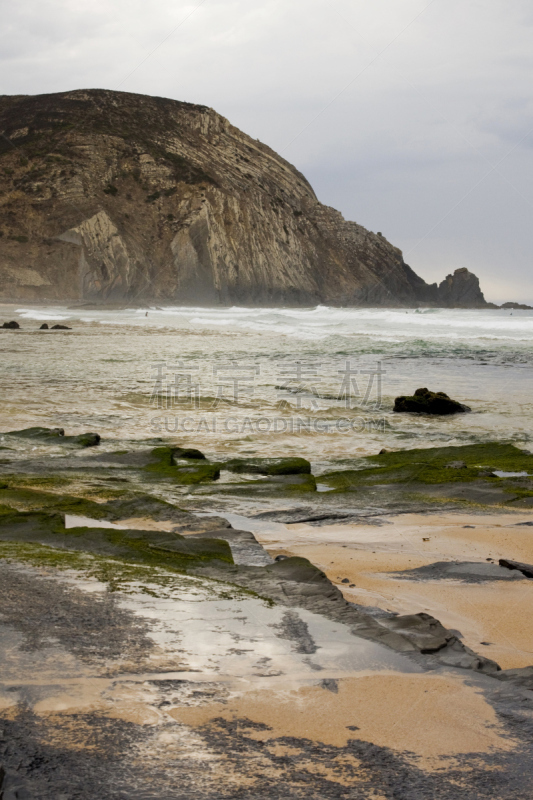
(490, 615)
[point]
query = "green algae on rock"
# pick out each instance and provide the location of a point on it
(156, 548)
(430, 466)
(269, 466)
(194, 471)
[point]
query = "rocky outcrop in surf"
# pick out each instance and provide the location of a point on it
(110, 197)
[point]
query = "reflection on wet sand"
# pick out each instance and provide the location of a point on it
(280, 679)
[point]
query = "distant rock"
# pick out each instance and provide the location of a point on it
(11, 325)
(44, 327)
(60, 328)
(517, 306)
(427, 402)
(461, 290)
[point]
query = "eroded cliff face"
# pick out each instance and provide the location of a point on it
(114, 197)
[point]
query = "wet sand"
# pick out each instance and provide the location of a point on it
(430, 716)
(492, 612)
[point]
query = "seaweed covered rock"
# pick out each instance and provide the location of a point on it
(269, 466)
(153, 548)
(428, 402)
(165, 463)
(11, 325)
(44, 327)
(60, 328)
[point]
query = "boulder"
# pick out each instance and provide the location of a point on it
(11, 325)
(427, 402)
(60, 328)
(44, 327)
(186, 452)
(85, 439)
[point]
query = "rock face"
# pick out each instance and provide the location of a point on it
(110, 197)
(461, 290)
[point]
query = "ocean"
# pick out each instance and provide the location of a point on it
(315, 382)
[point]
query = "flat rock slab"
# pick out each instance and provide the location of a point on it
(466, 571)
(525, 569)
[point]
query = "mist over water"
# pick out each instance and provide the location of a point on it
(317, 382)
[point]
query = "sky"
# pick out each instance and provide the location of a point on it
(412, 117)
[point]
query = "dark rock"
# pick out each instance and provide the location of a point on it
(57, 436)
(383, 451)
(281, 558)
(44, 327)
(466, 571)
(461, 290)
(60, 328)
(186, 452)
(85, 439)
(517, 306)
(427, 402)
(11, 325)
(525, 569)
(522, 676)
(486, 473)
(269, 466)
(428, 635)
(345, 580)
(38, 433)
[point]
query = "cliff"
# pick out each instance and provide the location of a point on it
(115, 197)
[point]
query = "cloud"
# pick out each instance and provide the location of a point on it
(413, 117)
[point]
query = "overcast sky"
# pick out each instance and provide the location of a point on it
(412, 117)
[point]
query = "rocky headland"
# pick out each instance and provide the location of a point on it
(110, 197)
